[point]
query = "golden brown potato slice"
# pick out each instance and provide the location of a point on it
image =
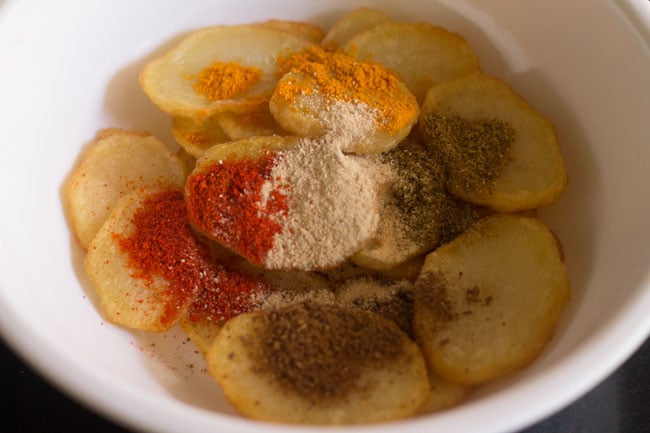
(309, 31)
(498, 150)
(417, 213)
(146, 263)
(353, 23)
(347, 270)
(283, 203)
(315, 364)
(361, 103)
(487, 303)
(217, 69)
(116, 163)
(201, 333)
(444, 395)
(188, 159)
(195, 137)
(256, 123)
(408, 270)
(420, 53)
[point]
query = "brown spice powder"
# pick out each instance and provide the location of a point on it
(431, 292)
(418, 199)
(319, 351)
(418, 192)
(391, 299)
(473, 297)
(474, 152)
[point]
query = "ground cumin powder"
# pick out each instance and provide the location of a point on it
(391, 299)
(318, 351)
(431, 291)
(474, 152)
(225, 80)
(426, 212)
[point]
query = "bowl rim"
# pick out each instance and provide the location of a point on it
(126, 408)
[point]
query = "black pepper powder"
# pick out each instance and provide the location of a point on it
(319, 350)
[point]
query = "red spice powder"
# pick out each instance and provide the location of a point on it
(231, 296)
(163, 244)
(224, 201)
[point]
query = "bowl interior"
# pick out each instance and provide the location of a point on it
(71, 71)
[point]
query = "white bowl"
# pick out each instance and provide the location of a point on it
(71, 68)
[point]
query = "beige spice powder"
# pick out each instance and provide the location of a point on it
(333, 204)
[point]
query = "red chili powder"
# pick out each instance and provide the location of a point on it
(231, 296)
(163, 244)
(224, 201)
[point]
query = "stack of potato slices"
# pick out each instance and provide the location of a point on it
(346, 230)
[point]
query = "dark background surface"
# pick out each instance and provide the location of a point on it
(621, 404)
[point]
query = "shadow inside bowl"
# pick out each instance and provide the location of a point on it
(174, 361)
(131, 107)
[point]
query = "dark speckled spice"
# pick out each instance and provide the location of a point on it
(320, 350)
(474, 152)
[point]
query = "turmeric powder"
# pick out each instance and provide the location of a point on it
(199, 139)
(225, 80)
(338, 76)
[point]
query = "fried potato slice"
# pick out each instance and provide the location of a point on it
(286, 366)
(353, 23)
(420, 53)
(201, 333)
(263, 198)
(195, 137)
(130, 295)
(246, 52)
(328, 92)
(417, 214)
(257, 123)
(187, 158)
(408, 270)
(308, 31)
(444, 395)
(498, 150)
(116, 163)
(220, 216)
(487, 303)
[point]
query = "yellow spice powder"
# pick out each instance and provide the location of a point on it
(196, 138)
(341, 77)
(225, 80)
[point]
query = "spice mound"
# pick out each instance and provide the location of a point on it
(317, 82)
(417, 213)
(318, 363)
(225, 80)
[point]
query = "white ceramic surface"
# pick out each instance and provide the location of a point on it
(70, 68)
